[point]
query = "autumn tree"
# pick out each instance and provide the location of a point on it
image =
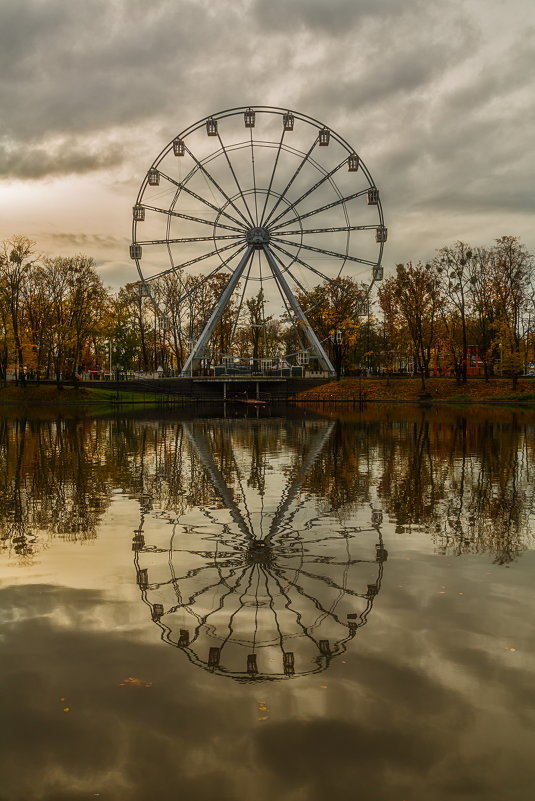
(413, 295)
(511, 269)
(333, 311)
(452, 265)
(66, 304)
(17, 260)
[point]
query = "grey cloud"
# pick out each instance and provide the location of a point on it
(34, 161)
(319, 16)
(84, 67)
(82, 240)
(435, 97)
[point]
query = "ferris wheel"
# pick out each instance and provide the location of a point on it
(275, 201)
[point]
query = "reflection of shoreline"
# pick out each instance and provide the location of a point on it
(382, 411)
(259, 589)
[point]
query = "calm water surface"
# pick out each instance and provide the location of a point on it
(257, 608)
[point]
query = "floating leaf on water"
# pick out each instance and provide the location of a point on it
(134, 681)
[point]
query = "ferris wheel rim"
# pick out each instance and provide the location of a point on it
(236, 221)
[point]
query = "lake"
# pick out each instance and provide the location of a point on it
(293, 604)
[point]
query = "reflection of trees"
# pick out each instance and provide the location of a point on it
(469, 484)
(259, 583)
(51, 483)
(465, 479)
(342, 473)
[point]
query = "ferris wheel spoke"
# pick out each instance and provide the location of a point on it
(292, 179)
(217, 209)
(240, 190)
(204, 280)
(198, 259)
(253, 167)
(301, 591)
(219, 189)
(302, 263)
(238, 608)
(267, 577)
(309, 191)
(298, 616)
(332, 253)
(344, 228)
(192, 219)
(331, 583)
(292, 276)
(323, 208)
(189, 239)
(224, 596)
(272, 176)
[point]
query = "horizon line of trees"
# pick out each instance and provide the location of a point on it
(468, 306)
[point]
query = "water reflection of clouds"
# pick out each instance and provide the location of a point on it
(392, 725)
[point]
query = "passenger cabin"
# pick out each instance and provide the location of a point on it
(373, 196)
(153, 177)
(289, 663)
(211, 127)
(288, 120)
(324, 137)
(381, 234)
(178, 147)
(377, 273)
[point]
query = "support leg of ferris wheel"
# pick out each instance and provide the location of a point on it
(198, 349)
(313, 341)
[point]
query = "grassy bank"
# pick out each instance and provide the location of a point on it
(47, 395)
(445, 390)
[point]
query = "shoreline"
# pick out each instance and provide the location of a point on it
(346, 392)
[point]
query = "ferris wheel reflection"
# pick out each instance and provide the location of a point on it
(263, 581)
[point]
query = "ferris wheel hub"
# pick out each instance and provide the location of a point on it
(258, 237)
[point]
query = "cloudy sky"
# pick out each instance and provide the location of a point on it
(437, 97)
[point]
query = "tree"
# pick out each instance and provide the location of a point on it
(452, 264)
(510, 269)
(17, 260)
(332, 310)
(68, 302)
(413, 295)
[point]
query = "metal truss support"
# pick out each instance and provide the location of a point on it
(198, 349)
(313, 341)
